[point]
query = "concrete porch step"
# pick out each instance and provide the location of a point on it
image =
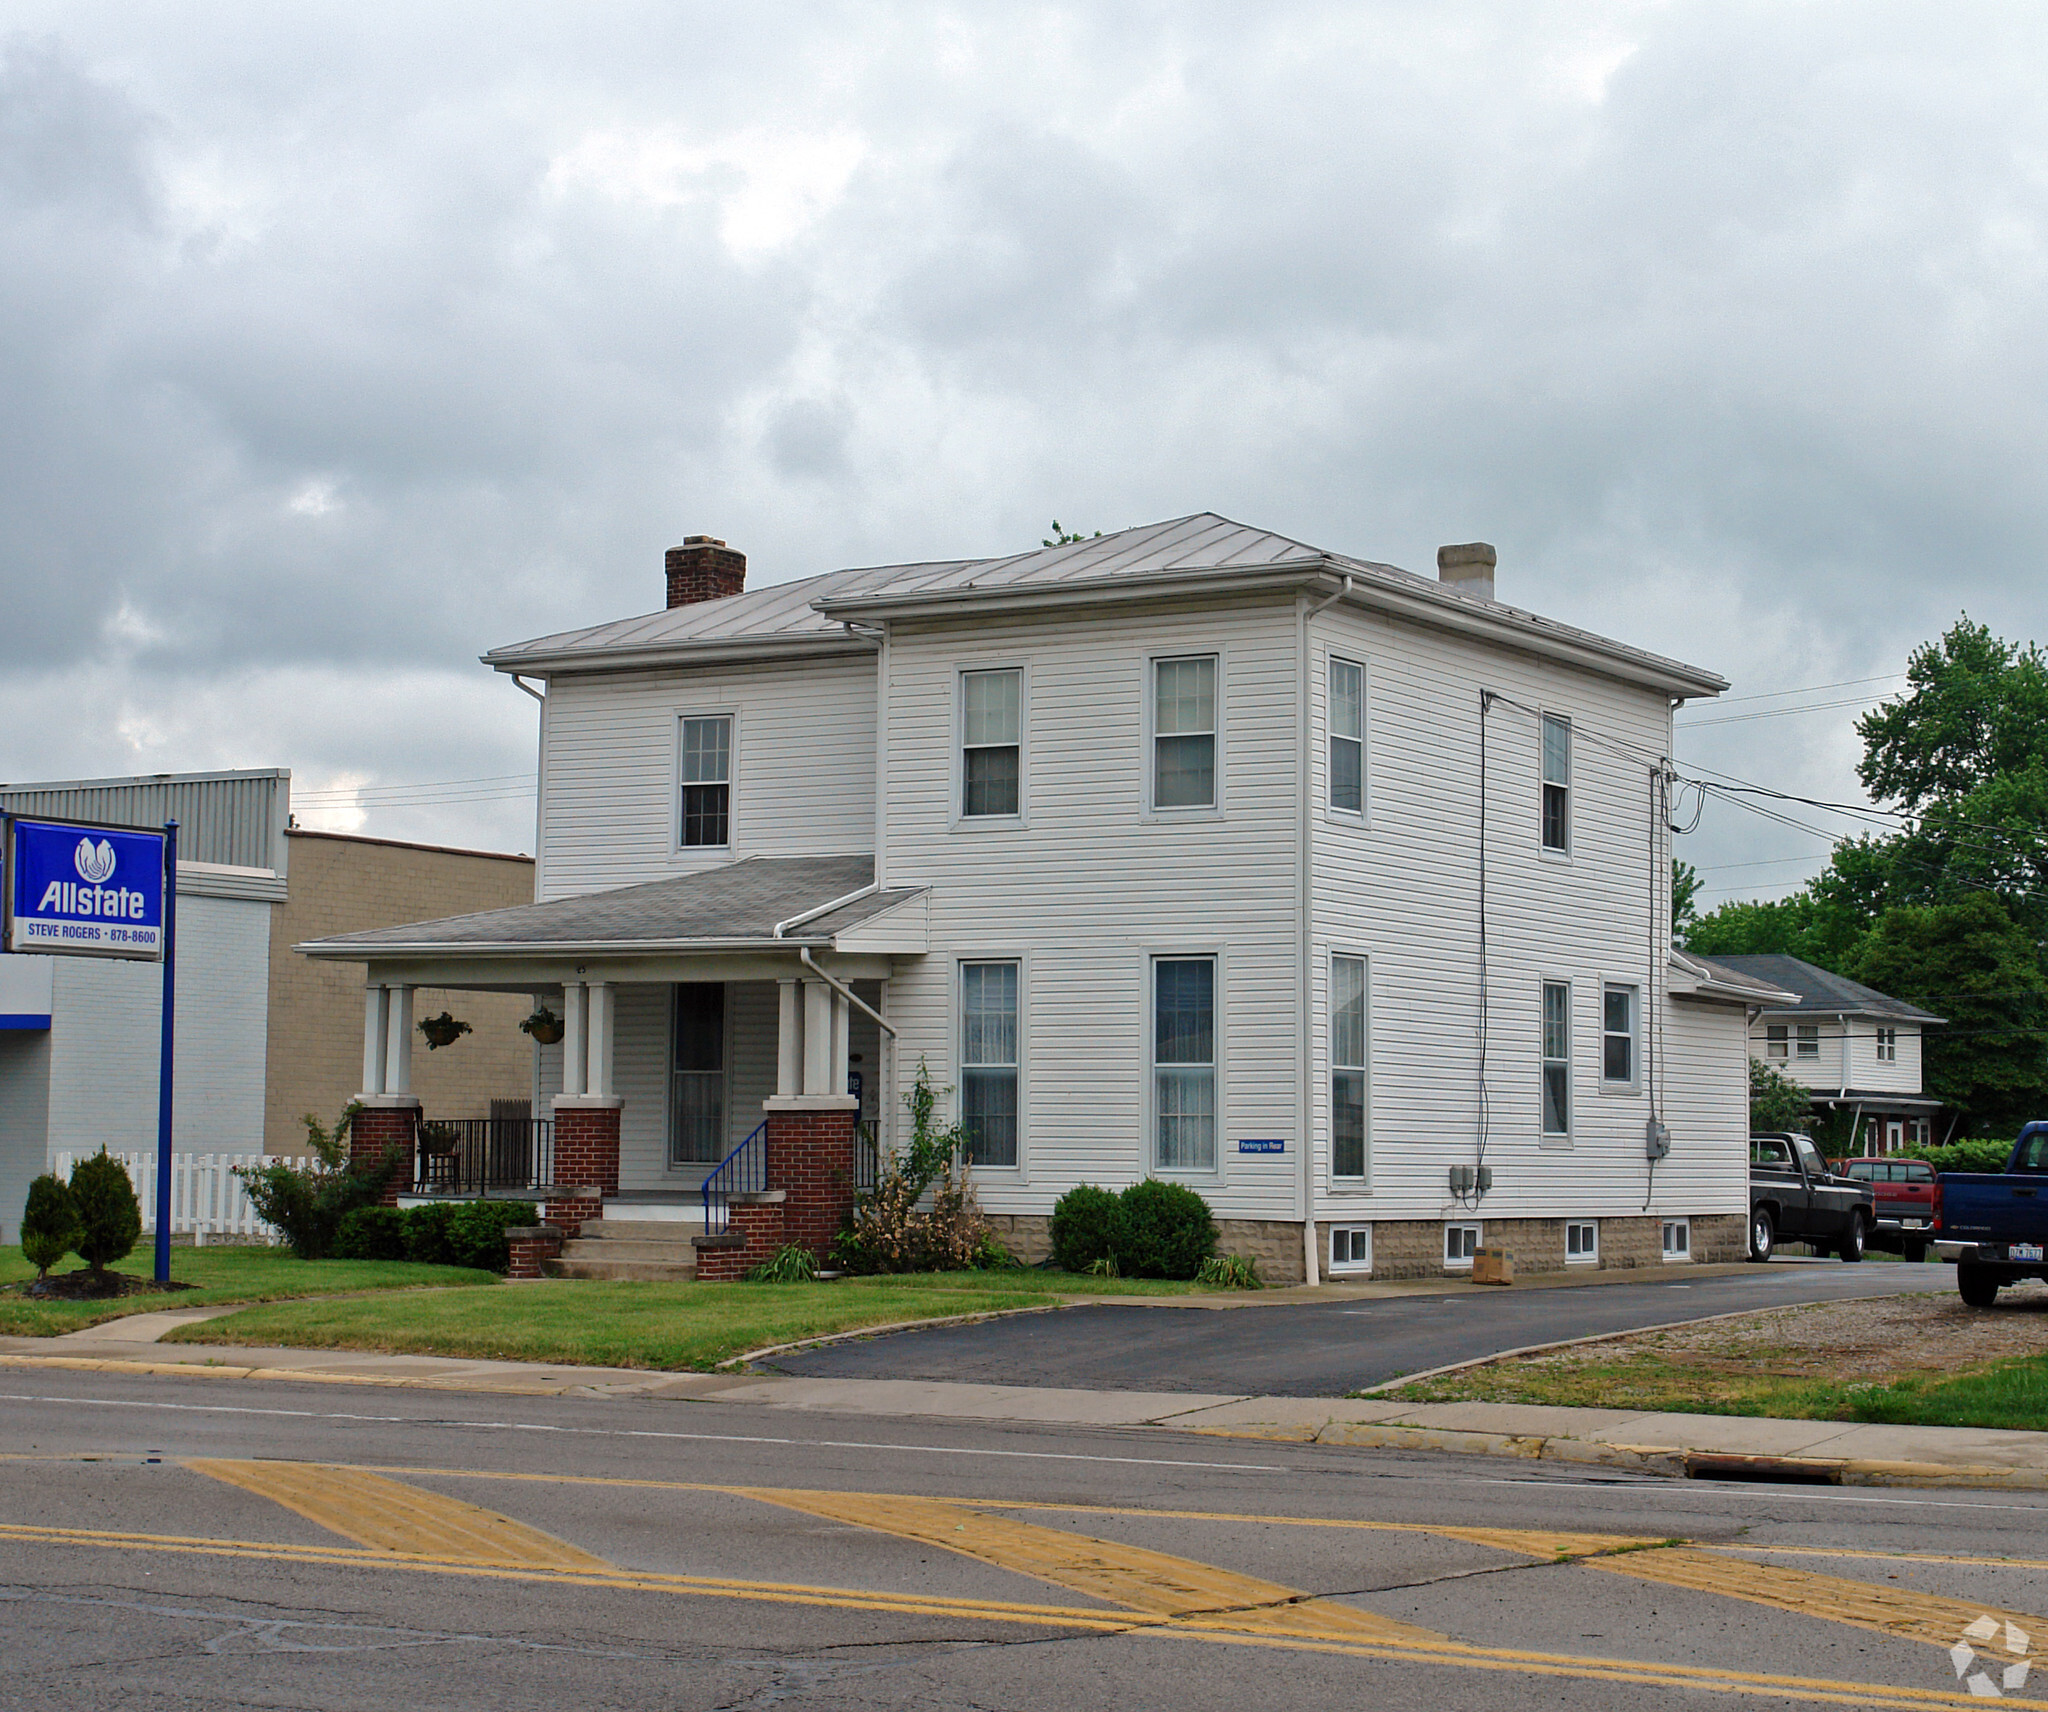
(615, 1248)
(641, 1271)
(641, 1230)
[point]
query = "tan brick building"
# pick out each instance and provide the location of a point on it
(340, 884)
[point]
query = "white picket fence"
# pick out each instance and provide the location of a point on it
(207, 1198)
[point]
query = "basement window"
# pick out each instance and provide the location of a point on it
(1461, 1242)
(1677, 1239)
(1581, 1243)
(1351, 1248)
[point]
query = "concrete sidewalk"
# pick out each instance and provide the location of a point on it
(1726, 1446)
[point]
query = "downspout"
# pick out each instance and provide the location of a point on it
(540, 797)
(846, 992)
(1311, 1260)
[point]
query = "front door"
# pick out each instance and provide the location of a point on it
(697, 1093)
(1894, 1134)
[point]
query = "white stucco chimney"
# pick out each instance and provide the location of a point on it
(1467, 569)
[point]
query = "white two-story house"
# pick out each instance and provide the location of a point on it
(1336, 892)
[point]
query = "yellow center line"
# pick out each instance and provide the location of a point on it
(1448, 1654)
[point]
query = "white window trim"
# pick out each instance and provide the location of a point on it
(1477, 1227)
(1778, 1051)
(1217, 810)
(1332, 1183)
(956, 1008)
(1800, 1042)
(1551, 853)
(957, 819)
(707, 853)
(1671, 1258)
(1634, 1084)
(1149, 1102)
(1558, 1138)
(1593, 1258)
(1362, 815)
(1348, 1268)
(1887, 1046)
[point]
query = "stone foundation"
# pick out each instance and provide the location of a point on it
(1414, 1248)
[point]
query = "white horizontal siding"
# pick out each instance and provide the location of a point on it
(803, 769)
(1848, 1055)
(1090, 887)
(1401, 887)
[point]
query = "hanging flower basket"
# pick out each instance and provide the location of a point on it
(544, 1026)
(438, 1140)
(442, 1030)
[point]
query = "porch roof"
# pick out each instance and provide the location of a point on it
(814, 901)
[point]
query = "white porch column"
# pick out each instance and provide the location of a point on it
(575, 1037)
(376, 1010)
(789, 1040)
(398, 1041)
(842, 1022)
(818, 1007)
(599, 1079)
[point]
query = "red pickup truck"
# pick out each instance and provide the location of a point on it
(1905, 1201)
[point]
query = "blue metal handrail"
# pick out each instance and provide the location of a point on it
(743, 1171)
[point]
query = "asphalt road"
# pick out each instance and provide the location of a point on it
(1327, 1349)
(193, 1543)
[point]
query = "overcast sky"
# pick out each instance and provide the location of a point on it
(340, 343)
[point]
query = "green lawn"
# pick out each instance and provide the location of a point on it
(2012, 1393)
(664, 1326)
(217, 1275)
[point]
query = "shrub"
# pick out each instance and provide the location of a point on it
(1965, 1155)
(306, 1203)
(1168, 1231)
(50, 1227)
(994, 1255)
(790, 1264)
(890, 1231)
(1087, 1226)
(370, 1233)
(109, 1216)
(428, 1237)
(1230, 1272)
(476, 1231)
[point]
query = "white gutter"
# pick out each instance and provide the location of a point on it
(845, 992)
(803, 916)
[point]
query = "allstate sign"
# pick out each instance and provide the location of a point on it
(97, 890)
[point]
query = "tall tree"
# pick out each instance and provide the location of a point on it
(1978, 708)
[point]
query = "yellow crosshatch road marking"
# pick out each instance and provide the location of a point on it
(387, 1515)
(1445, 1654)
(1131, 1576)
(1831, 1598)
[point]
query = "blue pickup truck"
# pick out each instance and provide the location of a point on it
(2001, 1221)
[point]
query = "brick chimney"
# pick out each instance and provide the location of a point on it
(1467, 569)
(704, 568)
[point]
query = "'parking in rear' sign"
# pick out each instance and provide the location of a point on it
(96, 891)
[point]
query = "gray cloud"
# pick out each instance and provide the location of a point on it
(337, 345)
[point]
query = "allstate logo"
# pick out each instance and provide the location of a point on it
(1974, 1671)
(95, 862)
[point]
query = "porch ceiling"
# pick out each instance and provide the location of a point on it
(821, 902)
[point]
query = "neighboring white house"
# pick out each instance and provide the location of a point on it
(1857, 1049)
(1333, 891)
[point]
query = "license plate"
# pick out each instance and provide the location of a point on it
(2025, 1251)
(1912, 1224)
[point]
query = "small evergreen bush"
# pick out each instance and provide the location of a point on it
(50, 1227)
(428, 1238)
(476, 1231)
(1168, 1231)
(109, 1216)
(370, 1233)
(1087, 1226)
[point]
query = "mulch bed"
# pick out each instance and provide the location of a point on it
(84, 1285)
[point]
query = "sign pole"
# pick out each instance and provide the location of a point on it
(163, 1087)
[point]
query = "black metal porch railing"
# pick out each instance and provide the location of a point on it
(743, 1171)
(867, 1155)
(480, 1156)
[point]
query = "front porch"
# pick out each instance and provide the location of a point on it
(725, 1073)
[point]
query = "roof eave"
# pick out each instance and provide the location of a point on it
(631, 657)
(1091, 591)
(339, 952)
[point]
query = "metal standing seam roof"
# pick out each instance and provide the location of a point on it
(810, 612)
(1820, 991)
(735, 903)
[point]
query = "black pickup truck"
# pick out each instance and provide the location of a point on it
(2000, 1219)
(1793, 1197)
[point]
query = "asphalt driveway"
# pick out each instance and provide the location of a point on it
(1326, 1349)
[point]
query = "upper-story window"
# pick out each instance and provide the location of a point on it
(991, 741)
(1347, 736)
(707, 782)
(1557, 783)
(1807, 1041)
(1887, 1046)
(1184, 732)
(1777, 1039)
